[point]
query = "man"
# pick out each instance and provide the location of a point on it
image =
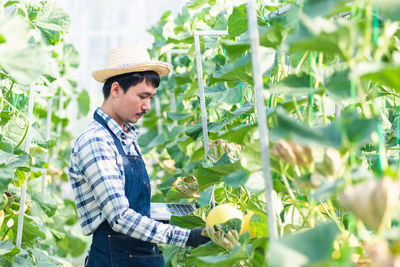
(108, 175)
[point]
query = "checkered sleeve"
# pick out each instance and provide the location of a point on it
(98, 164)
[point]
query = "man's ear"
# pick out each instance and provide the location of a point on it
(115, 89)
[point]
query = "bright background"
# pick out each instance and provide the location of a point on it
(99, 26)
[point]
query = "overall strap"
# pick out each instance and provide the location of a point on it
(117, 142)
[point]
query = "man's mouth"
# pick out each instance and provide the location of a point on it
(140, 114)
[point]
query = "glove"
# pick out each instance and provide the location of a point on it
(196, 239)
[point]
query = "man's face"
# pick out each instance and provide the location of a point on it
(133, 105)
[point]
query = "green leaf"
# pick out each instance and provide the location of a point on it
(337, 83)
(326, 190)
(6, 177)
(238, 253)
(187, 221)
(43, 259)
(322, 35)
(241, 70)
(250, 157)
(207, 249)
(237, 178)
(51, 20)
(46, 202)
(8, 248)
(232, 224)
(178, 116)
(291, 129)
(237, 22)
(71, 56)
(30, 232)
(342, 132)
(174, 195)
(315, 8)
(305, 248)
(241, 134)
(259, 225)
(24, 259)
(22, 61)
(388, 8)
(72, 244)
(12, 160)
(293, 84)
(273, 36)
(196, 4)
(207, 176)
(387, 75)
(83, 103)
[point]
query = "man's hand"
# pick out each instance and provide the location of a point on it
(196, 239)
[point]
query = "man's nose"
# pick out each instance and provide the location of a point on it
(146, 106)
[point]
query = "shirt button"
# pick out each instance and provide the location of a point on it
(123, 143)
(123, 136)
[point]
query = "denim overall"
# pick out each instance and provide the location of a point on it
(110, 248)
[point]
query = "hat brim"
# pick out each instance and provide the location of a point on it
(162, 68)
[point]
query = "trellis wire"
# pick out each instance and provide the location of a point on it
(200, 83)
(48, 129)
(60, 114)
(262, 122)
(23, 189)
(381, 155)
(201, 93)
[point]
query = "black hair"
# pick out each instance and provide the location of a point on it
(131, 79)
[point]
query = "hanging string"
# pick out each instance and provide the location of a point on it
(311, 95)
(381, 144)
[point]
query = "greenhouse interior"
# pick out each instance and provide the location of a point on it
(200, 133)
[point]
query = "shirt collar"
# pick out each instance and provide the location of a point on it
(130, 130)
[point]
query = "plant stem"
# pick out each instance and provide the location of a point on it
(296, 106)
(323, 109)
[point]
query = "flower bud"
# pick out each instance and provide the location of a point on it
(332, 163)
(292, 152)
(187, 185)
(372, 201)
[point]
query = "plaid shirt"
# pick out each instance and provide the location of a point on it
(96, 174)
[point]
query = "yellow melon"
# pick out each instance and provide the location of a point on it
(246, 223)
(223, 213)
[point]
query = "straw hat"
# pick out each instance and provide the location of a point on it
(130, 59)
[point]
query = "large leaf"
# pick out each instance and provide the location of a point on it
(237, 178)
(322, 35)
(71, 56)
(22, 61)
(293, 84)
(207, 176)
(196, 131)
(303, 249)
(30, 232)
(389, 8)
(238, 254)
(6, 177)
(387, 75)
(51, 20)
(337, 83)
(7, 247)
(241, 134)
(83, 103)
(46, 202)
(12, 160)
(315, 8)
(344, 131)
(192, 220)
(237, 22)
